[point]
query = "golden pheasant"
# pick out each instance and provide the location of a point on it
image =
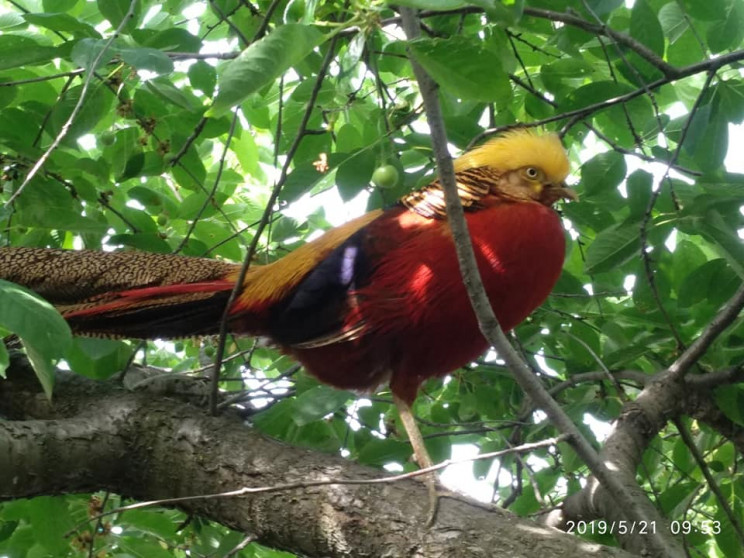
(378, 299)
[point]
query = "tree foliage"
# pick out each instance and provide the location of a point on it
(237, 129)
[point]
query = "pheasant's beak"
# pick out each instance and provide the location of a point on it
(554, 192)
(566, 193)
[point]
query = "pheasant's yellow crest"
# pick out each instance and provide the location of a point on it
(517, 149)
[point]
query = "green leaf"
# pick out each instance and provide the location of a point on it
(438, 5)
(63, 23)
(31, 317)
(709, 10)
(499, 12)
(9, 20)
(166, 90)
(676, 500)
(603, 7)
(203, 76)
(115, 11)
(144, 58)
(7, 94)
(98, 358)
(154, 522)
(138, 547)
(727, 539)
(612, 248)
(173, 39)
(190, 172)
(43, 367)
(43, 332)
(51, 520)
(317, 402)
(730, 400)
(645, 27)
(246, 151)
(732, 100)
(304, 178)
(4, 360)
(44, 205)
(672, 20)
(639, 186)
(561, 74)
(96, 105)
(354, 173)
(262, 62)
(715, 228)
(714, 281)
(463, 66)
(687, 259)
(707, 138)
(377, 452)
(592, 93)
(603, 173)
(16, 51)
(728, 32)
(58, 5)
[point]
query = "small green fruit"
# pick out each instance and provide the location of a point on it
(107, 138)
(386, 176)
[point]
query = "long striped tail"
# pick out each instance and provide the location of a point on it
(126, 294)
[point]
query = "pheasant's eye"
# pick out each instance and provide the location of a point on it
(531, 172)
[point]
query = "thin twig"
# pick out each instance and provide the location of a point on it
(189, 140)
(48, 115)
(261, 31)
(706, 66)
(241, 545)
(78, 106)
(210, 196)
(226, 18)
(712, 484)
(268, 210)
(73, 73)
(649, 210)
(723, 319)
(98, 527)
(606, 371)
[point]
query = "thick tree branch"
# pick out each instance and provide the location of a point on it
(667, 396)
(718, 378)
(98, 436)
(701, 405)
(639, 422)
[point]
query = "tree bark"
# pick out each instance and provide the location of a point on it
(98, 436)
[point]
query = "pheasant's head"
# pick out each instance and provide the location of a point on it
(532, 167)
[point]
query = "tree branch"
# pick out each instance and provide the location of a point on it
(718, 378)
(266, 217)
(76, 109)
(627, 496)
(722, 320)
(642, 50)
(98, 436)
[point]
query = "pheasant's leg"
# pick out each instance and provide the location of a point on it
(419, 451)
